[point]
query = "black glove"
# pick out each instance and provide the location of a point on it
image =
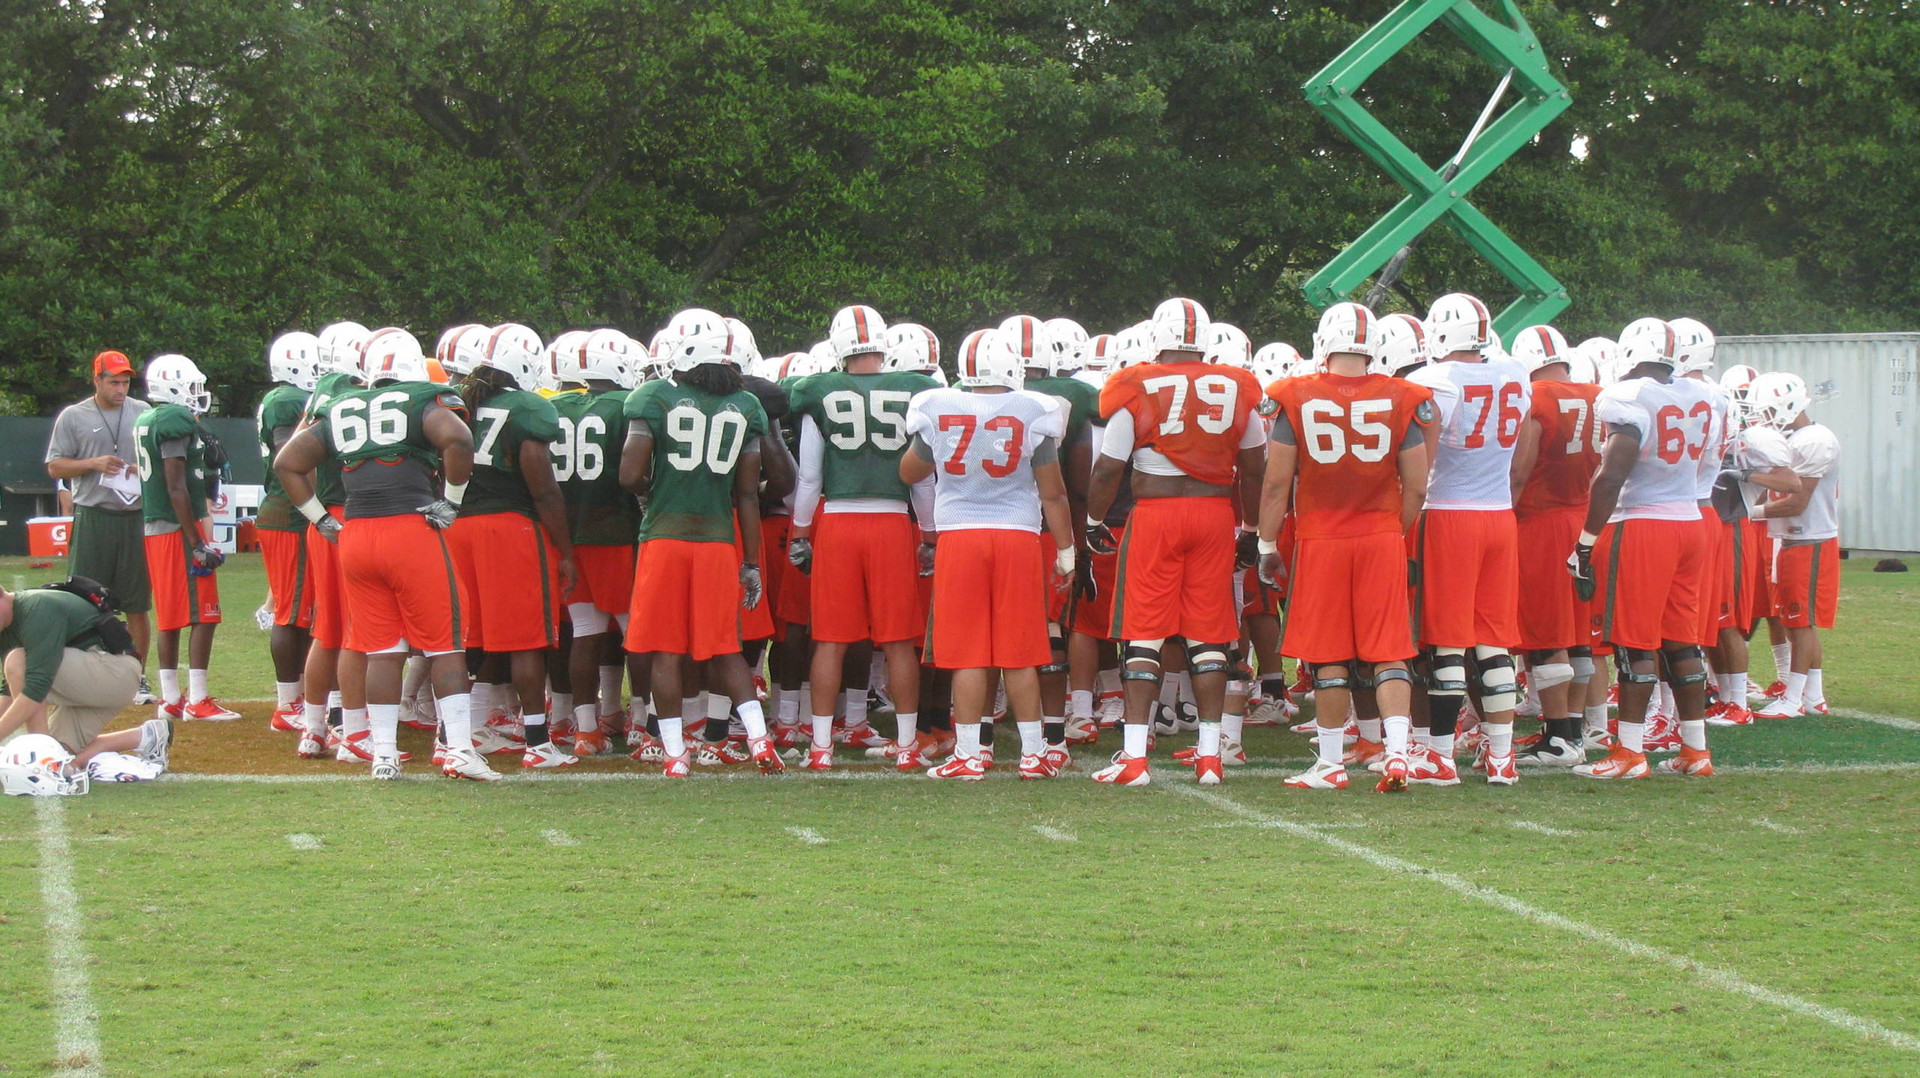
(926, 558)
(750, 580)
(440, 513)
(1084, 586)
(1100, 539)
(206, 559)
(800, 553)
(1413, 573)
(329, 528)
(1580, 564)
(1246, 550)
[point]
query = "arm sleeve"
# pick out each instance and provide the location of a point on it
(922, 496)
(1047, 452)
(1414, 436)
(1283, 429)
(1116, 440)
(173, 447)
(1254, 435)
(638, 426)
(813, 455)
(44, 650)
(920, 447)
(65, 442)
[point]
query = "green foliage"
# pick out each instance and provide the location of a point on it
(201, 175)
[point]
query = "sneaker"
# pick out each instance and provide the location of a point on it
(677, 767)
(1113, 710)
(1617, 764)
(1302, 686)
(592, 743)
(722, 753)
(1772, 692)
(1470, 745)
(386, 768)
(360, 747)
(1232, 753)
(1124, 771)
(1818, 707)
(1207, 772)
(1662, 734)
(1057, 758)
(1394, 768)
(144, 694)
(1309, 727)
(1551, 752)
(1186, 717)
(439, 753)
(1084, 731)
(207, 709)
(1697, 762)
(935, 744)
(1165, 722)
(790, 735)
(863, 736)
(986, 757)
(468, 764)
(156, 740)
(312, 746)
(1320, 777)
(1500, 770)
(171, 711)
(419, 713)
(1270, 712)
(1034, 766)
(1363, 752)
(287, 720)
(910, 759)
(1779, 709)
(648, 751)
(1601, 740)
(765, 756)
(1729, 714)
(490, 741)
(820, 759)
(1429, 768)
(547, 755)
(959, 767)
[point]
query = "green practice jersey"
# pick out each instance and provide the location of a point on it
(586, 462)
(326, 478)
(698, 440)
(379, 438)
(1083, 403)
(162, 431)
(863, 423)
(281, 407)
(509, 419)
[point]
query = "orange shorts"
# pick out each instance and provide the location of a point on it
(1806, 584)
(989, 601)
(868, 564)
(180, 599)
(1176, 572)
(400, 585)
(686, 599)
(606, 578)
(1469, 578)
(775, 568)
(1349, 600)
(1759, 556)
(755, 624)
(1549, 614)
(1716, 581)
(1647, 579)
(1095, 617)
(509, 583)
(323, 572)
(285, 556)
(795, 605)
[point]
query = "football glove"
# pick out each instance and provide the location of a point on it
(1100, 539)
(1580, 564)
(206, 559)
(750, 580)
(926, 558)
(440, 513)
(1413, 573)
(800, 553)
(1246, 550)
(1270, 567)
(1084, 585)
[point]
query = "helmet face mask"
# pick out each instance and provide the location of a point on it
(175, 379)
(1274, 362)
(294, 359)
(340, 345)
(989, 358)
(35, 765)
(694, 338)
(1778, 398)
(1694, 353)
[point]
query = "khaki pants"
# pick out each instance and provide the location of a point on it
(90, 688)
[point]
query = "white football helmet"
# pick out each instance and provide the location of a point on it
(1068, 339)
(1097, 355)
(1696, 348)
(1458, 322)
(34, 765)
(461, 348)
(1403, 344)
(1539, 346)
(1601, 352)
(989, 358)
(393, 355)
(1274, 362)
(604, 355)
(1345, 327)
(513, 350)
(1648, 340)
(820, 358)
(294, 359)
(1178, 325)
(856, 331)
(912, 347)
(340, 345)
(744, 344)
(1777, 398)
(793, 365)
(694, 337)
(1737, 379)
(175, 379)
(1027, 336)
(1228, 344)
(1581, 369)
(555, 353)
(1133, 346)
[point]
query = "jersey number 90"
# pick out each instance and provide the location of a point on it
(698, 440)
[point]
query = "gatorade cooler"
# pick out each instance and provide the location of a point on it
(47, 536)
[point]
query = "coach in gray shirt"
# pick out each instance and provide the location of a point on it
(93, 449)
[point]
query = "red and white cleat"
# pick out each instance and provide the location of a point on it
(1772, 692)
(677, 767)
(207, 709)
(1363, 752)
(360, 747)
(314, 748)
(1729, 714)
(1696, 762)
(1207, 771)
(722, 753)
(1082, 731)
(819, 759)
(1818, 707)
(966, 769)
(1058, 758)
(1034, 766)
(1394, 768)
(649, 750)
(1320, 777)
(547, 755)
(1501, 770)
(592, 743)
(863, 736)
(1124, 771)
(765, 756)
(1429, 768)
(286, 720)
(468, 764)
(910, 759)
(1779, 709)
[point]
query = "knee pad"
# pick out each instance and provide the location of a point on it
(1362, 674)
(1630, 658)
(1548, 675)
(1057, 644)
(1497, 685)
(1208, 659)
(1693, 659)
(1449, 677)
(1145, 651)
(1582, 669)
(1391, 673)
(1342, 680)
(588, 620)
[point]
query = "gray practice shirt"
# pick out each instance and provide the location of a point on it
(86, 430)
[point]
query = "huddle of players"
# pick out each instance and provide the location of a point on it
(937, 525)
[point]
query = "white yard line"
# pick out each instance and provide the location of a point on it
(300, 840)
(1540, 828)
(807, 835)
(557, 837)
(1053, 833)
(1781, 828)
(1884, 720)
(76, 1023)
(1725, 980)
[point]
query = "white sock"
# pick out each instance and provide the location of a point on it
(315, 718)
(1422, 737)
(586, 718)
(691, 708)
(966, 740)
(1594, 719)
(1442, 745)
(822, 731)
(535, 725)
(1693, 734)
(562, 704)
(456, 719)
(789, 703)
(285, 693)
(1209, 744)
(1107, 681)
(1633, 736)
(906, 727)
(1782, 661)
(854, 701)
(482, 694)
(1796, 690)
(384, 721)
(1134, 738)
(609, 690)
(673, 736)
(1330, 741)
(754, 718)
(1031, 741)
(1499, 738)
(353, 720)
(1080, 703)
(333, 700)
(169, 686)
(196, 685)
(719, 708)
(1232, 724)
(1396, 728)
(1815, 691)
(1370, 730)
(1736, 691)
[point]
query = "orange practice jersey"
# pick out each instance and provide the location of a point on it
(1349, 433)
(1570, 444)
(1192, 413)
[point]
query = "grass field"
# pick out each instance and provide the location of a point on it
(301, 920)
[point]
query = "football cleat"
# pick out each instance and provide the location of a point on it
(1617, 764)
(1113, 710)
(765, 756)
(790, 735)
(489, 741)
(1394, 768)
(1186, 717)
(819, 759)
(1124, 771)
(1363, 752)
(1729, 714)
(722, 753)
(311, 747)
(560, 728)
(386, 768)
(207, 709)
(986, 757)
(1057, 758)
(649, 750)
(1165, 722)
(1818, 707)
(863, 736)
(439, 753)
(1772, 692)
(1697, 762)
(1779, 709)
(169, 711)
(1302, 686)
(1470, 744)
(1035, 766)
(592, 743)
(468, 764)
(1662, 734)
(1082, 731)
(910, 759)
(959, 767)
(1320, 777)
(677, 767)
(286, 720)
(938, 743)
(1500, 770)
(547, 755)
(1430, 768)
(360, 747)
(1552, 752)
(1207, 771)
(419, 713)
(1271, 711)
(1598, 739)
(156, 741)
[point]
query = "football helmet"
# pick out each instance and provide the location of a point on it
(294, 359)
(513, 350)
(1696, 346)
(1027, 336)
(1458, 322)
(1581, 369)
(1274, 362)
(1098, 353)
(1648, 340)
(856, 331)
(1539, 346)
(744, 346)
(175, 379)
(1133, 346)
(460, 348)
(702, 337)
(1068, 339)
(912, 347)
(34, 765)
(556, 352)
(394, 355)
(1229, 344)
(1737, 379)
(1601, 353)
(605, 355)
(1345, 327)
(340, 345)
(1178, 325)
(1777, 398)
(1403, 344)
(989, 357)
(793, 365)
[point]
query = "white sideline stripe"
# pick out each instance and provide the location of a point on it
(807, 835)
(1351, 825)
(300, 840)
(1053, 833)
(1725, 980)
(557, 837)
(1540, 828)
(1884, 720)
(76, 1023)
(1781, 828)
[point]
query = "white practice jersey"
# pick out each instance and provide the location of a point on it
(1481, 407)
(1096, 379)
(1758, 449)
(983, 447)
(1675, 422)
(1719, 440)
(1816, 455)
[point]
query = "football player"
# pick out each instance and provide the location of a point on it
(340, 344)
(1757, 461)
(1806, 526)
(293, 361)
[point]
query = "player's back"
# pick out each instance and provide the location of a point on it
(698, 441)
(1675, 422)
(1570, 444)
(862, 420)
(586, 464)
(1349, 433)
(1816, 453)
(502, 423)
(1188, 418)
(1481, 407)
(983, 447)
(379, 438)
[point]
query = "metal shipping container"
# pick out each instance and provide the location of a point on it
(1864, 389)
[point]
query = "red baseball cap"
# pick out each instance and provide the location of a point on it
(111, 362)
